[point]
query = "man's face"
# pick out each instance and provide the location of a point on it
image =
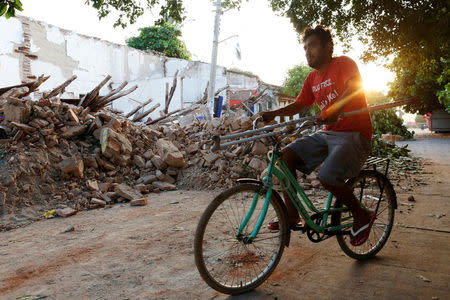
(316, 53)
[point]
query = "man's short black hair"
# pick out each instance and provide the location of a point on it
(323, 33)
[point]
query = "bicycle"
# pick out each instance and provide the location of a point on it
(235, 251)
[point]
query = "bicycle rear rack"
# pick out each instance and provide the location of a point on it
(373, 161)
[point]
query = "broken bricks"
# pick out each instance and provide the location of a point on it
(66, 212)
(170, 154)
(72, 167)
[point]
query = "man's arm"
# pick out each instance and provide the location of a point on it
(287, 111)
(353, 90)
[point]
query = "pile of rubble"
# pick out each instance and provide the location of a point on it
(77, 156)
(80, 154)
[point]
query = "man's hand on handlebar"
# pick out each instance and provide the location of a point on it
(327, 117)
(267, 116)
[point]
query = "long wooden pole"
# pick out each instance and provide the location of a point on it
(138, 108)
(90, 98)
(60, 88)
(379, 107)
(143, 115)
(116, 96)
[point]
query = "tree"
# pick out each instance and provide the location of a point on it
(164, 39)
(294, 80)
(386, 120)
(128, 10)
(414, 33)
(444, 93)
(293, 84)
(9, 7)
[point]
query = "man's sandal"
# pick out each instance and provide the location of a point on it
(361, 235)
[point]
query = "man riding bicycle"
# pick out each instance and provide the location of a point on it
(336, 86)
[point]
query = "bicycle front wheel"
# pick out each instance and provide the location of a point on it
(372, 189)
(225, 261)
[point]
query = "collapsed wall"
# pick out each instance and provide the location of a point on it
(56, 154)
(29, 48)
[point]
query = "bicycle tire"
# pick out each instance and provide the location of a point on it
(385, 216)
(234, 267)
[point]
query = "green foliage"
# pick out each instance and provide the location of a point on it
(420, 80)
(293, 84)
(130, 10)
(444, 93)
(164, 39)
(382, 148)
(386, 120)
(295, 78)
(414, 33)
(9, 7)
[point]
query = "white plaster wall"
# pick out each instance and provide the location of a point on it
(42, 67)
(9, 70)
(54, 34)
(11, 34)
(63, 53)
(91, 54)
(241, 81)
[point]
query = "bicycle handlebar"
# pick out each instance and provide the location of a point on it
(306, 122)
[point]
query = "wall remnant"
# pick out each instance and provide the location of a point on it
(33, 48)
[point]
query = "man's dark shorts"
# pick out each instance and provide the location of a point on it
(342, 153)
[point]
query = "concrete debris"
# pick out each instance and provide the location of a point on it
(98, 202)
(139, 202)
(170, 154)
(127, 192)
(85, 155)
(164, 186)
(72, 167)
(66, 212)
(92, 185)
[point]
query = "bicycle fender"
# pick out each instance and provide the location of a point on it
(275, 194)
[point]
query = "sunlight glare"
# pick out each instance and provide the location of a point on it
(375, 77)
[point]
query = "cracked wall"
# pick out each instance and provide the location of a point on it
(29, 48)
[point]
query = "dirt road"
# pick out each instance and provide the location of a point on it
(128, 252)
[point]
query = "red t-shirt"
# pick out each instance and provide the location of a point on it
(327, 87)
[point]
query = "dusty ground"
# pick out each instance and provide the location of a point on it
(126, 252)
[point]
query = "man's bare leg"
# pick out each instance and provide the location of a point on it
(291, 159)
(361, 216)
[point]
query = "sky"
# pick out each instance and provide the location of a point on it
(268, 43)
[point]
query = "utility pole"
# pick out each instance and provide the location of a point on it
(212, 76)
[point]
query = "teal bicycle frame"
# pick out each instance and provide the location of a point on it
(290, 185)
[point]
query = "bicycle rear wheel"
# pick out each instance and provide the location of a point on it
(369, 187)
(225, 261)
